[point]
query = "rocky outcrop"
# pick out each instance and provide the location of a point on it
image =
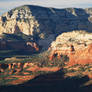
(82, 56)
(13, 67)
(44, 24)
(77, 45)
(34, 45)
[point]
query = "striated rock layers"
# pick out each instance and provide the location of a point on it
(77, 45)
(44, 24)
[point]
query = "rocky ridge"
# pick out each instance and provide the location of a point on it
(44, 24)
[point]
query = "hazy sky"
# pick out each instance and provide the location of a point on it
(6, 5)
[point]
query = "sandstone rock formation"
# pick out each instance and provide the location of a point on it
(40, 26)
(13, 67)
(34, 45)
(82, 56)
(44, 24)
(77, 45)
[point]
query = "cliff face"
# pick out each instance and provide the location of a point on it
(44, 24)
(82, 56)
(77, 45)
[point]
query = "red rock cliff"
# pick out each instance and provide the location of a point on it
(77, 45)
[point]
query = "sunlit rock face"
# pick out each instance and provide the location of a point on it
(18, 20)
(44, 24)
(12, 67)
(82, 56)
(77, 45)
